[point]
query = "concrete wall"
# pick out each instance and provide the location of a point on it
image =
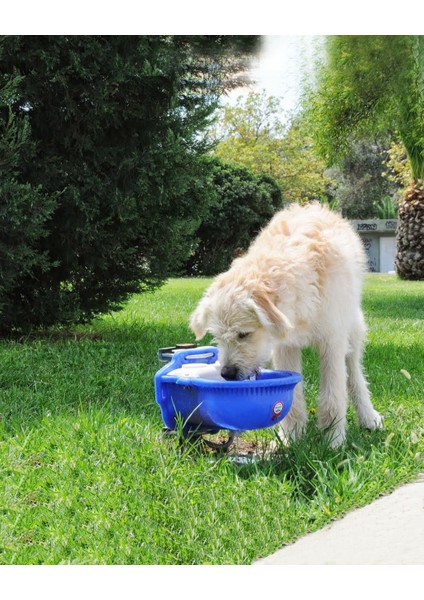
(379, 239)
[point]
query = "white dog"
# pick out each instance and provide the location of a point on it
(298, 285)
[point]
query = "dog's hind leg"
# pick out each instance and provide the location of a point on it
(357, 385)
(294, 423)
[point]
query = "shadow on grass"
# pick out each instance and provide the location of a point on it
(395, 306)
(110, 366)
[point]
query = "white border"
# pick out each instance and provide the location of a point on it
(224, 17)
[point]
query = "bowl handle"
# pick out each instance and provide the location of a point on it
(203, 354)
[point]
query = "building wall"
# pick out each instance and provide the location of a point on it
(379, 239)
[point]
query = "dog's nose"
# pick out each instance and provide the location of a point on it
(229, 373)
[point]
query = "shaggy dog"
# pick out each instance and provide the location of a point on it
(298, 285)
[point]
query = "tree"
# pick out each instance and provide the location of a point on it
(398, 168)
(242, 203)
(372, 84)
(361, 189)
(109, 136)
(256, 134)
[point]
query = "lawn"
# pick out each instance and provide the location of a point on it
(88, 477)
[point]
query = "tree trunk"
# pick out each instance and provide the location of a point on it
(410, 235)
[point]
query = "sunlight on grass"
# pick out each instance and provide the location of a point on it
(89, 478)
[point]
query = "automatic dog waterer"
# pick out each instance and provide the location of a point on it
(192, 394)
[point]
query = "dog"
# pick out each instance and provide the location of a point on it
(299, 284)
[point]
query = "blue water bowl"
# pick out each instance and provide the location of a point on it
(197, 403)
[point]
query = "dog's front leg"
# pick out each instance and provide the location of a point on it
(294, 424)
(333, 390)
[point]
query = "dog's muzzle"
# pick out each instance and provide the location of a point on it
(230, 373)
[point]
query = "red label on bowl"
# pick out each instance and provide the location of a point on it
(277, 409)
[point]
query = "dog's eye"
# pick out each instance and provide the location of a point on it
(243, 335)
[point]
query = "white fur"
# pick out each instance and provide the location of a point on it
(299, 285)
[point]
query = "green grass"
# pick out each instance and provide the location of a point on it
(88, 478)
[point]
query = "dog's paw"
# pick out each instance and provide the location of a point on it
(373, 420)
(337, 437)
(282, 440)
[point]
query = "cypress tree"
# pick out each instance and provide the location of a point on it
(101, 145)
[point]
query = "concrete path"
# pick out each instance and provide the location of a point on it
(390, 531)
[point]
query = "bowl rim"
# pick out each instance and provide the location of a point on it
(278, 379)
(209, 354)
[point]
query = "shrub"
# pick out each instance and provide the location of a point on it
(243, 203)
(24, 212)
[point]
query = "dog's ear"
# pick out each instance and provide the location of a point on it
(199, 319)
(270, 316)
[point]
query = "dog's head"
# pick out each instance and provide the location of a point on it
(245, 324)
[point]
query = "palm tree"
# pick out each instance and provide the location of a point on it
(410, 234)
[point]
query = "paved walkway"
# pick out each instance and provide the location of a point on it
(390, 531)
